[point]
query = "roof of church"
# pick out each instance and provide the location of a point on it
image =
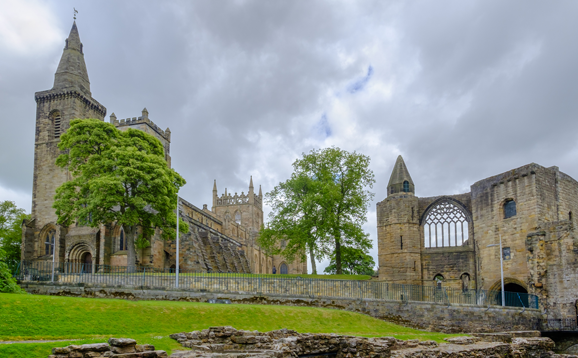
(399, 173)
(71, 72)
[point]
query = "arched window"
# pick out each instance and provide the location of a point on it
(406, 186)
(49, 243)
(438, 279)
(284, 270)
(446, 225)
(465, 282)
(122, 241)
(56, 123)
(509, 208)
(238, 217)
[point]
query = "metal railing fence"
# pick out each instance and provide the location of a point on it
(286, 285)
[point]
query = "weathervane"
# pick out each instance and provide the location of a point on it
(75, 12)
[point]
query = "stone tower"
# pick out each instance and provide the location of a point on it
(68, 99)
(243, 209)
(398, 229)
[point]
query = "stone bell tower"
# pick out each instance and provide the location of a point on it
(68, 99)
(398, 229)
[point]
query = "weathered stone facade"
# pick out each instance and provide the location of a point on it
(453, 240)
(216, 242)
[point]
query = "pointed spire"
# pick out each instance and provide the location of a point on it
(400, 180)
(71, 72)
(260, 192)
(251, 183)
(215, 185)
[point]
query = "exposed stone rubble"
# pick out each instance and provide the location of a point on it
(228, 342)
(116, 347)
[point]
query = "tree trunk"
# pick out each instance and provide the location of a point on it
(130, 232)
(338, 254)
(312, 255)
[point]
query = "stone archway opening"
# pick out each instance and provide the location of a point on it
(516, 295)
(80, 259)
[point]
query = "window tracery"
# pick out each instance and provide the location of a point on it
(446, 225)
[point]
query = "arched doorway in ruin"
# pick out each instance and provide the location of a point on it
(516, 293)
(80, 258)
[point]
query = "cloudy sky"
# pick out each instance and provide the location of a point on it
(461, 89)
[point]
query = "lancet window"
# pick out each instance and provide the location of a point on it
(56, 121)
(446, 225)
(49, 243)
(122, 241)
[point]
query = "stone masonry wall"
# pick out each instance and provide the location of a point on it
(420, 315)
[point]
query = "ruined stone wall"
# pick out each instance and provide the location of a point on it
(552, 254)
(421, 315)
(450, 262)
(488, 198)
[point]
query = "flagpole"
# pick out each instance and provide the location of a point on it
(177, 265)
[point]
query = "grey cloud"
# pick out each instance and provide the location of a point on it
(477, 87)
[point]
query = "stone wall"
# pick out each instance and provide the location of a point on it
(116, 347)
(228, 342)
(420, 315)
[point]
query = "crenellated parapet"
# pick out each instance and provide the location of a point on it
(228, 199)
(141, 120)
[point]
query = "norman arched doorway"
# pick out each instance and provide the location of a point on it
(283, 269)
(78, 256)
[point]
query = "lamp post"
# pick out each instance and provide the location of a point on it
(501, 270)
(53, 253)
(177, 265)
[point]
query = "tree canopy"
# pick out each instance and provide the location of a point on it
(11, 218)
(117, 176)
(353, 261)
(321, 208)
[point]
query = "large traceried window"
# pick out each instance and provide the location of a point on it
(446, 225)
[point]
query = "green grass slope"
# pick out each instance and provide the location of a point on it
(31, 317)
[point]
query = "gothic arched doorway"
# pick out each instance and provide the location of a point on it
(284, 270)
(515, 295)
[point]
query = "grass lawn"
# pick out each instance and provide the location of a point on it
(35, 317)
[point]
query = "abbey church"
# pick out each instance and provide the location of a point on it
(220, 239)
(525, 215)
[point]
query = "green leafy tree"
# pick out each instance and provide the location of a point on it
(294, 220)
(7, 282)
(117, 176)
(353, 262)
(322, 206)
(11, 218)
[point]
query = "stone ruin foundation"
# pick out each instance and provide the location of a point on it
(228, 342)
